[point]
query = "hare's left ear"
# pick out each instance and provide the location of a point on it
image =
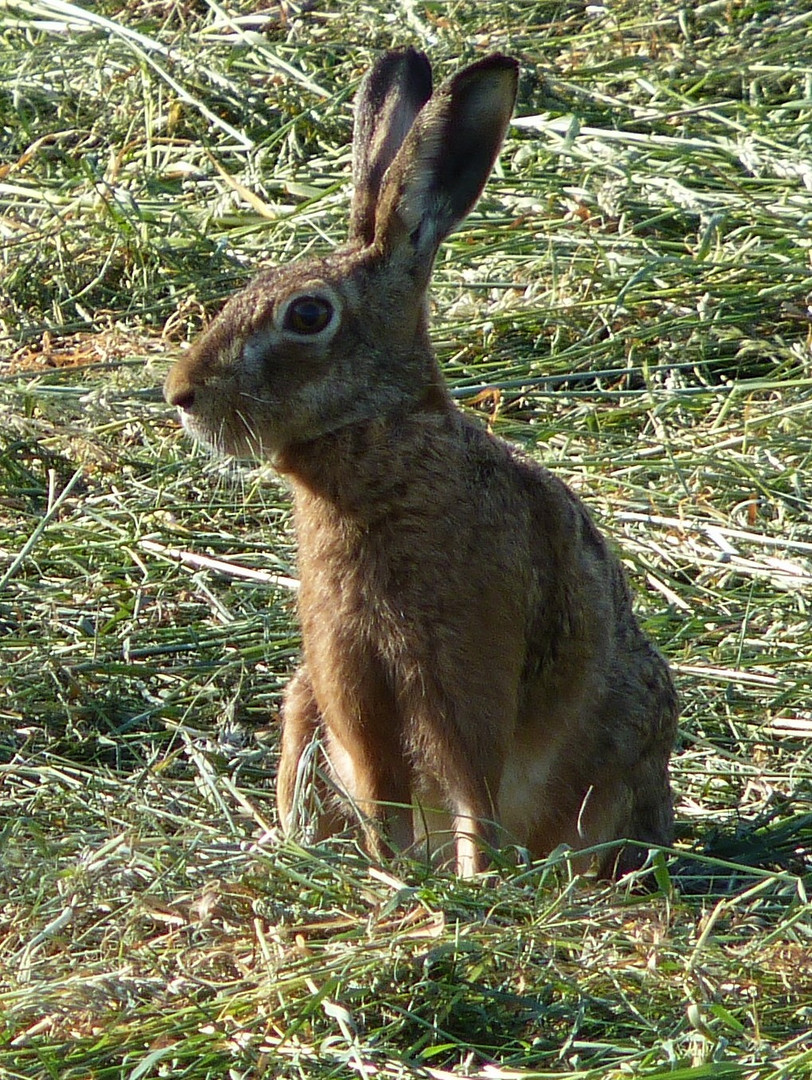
(390, 97)
(440, 170)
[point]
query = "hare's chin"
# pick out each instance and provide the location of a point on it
(205, 435)
(226, 441)
(197, 431)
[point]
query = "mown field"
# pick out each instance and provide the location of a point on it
(634, 294)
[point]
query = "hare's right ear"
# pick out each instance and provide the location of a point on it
(440, 170)
(390, 97)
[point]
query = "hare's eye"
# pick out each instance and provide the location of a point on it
(308, 315)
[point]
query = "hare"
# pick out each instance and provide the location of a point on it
(471, 661)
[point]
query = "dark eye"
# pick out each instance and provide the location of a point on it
(308, 315)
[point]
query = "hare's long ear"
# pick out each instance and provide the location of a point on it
(390, 97)
(441, 168)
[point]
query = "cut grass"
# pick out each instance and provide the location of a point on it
(636, 284)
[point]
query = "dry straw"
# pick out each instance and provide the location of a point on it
(633, 294)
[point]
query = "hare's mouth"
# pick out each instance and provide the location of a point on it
(234, 436)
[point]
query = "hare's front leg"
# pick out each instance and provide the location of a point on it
(301, 723)
(461, 763)
(473, 836)
(367, 761)
(473, 813)
(364, 759)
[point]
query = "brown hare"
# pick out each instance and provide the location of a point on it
(470, 652)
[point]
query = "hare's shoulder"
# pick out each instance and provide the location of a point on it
(554, 513)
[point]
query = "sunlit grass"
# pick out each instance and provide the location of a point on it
(634, 288)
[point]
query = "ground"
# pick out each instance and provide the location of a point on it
(630, 303)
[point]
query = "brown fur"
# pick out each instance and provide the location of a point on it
(469, 642)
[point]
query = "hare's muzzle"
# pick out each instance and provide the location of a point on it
(178, 390)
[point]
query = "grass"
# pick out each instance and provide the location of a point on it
(635, 284)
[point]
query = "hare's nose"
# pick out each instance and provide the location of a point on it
(184, 400)
(179, 390)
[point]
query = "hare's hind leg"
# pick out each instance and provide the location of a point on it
(630, 800)
(641, 714)
(650, 820)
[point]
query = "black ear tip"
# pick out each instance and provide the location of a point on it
(496, 60)
(407, 67)
(494, 79)
(410, 53)
(496, 64)
(414, 59)
(418, 72)
(418, 63)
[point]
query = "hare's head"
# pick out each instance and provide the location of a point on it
(312, 347)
